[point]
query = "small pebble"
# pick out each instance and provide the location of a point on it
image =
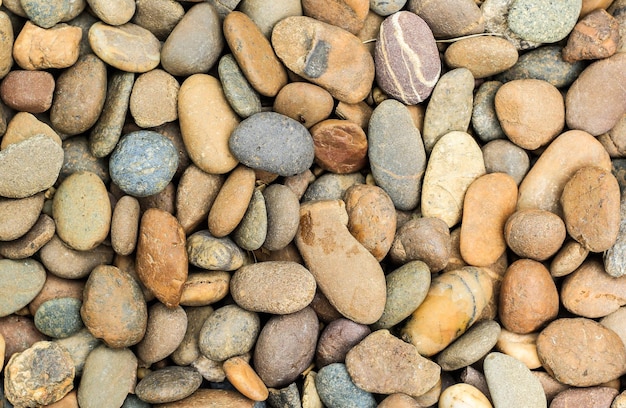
(59, 318)
(424, 239)
(34, 98)
(242, 97)
(188, 350)
(304, 102)
(205, 288)
(229, 331)
(337, 339)
(463, 394)
(503, 156)
(483, 56)
(165, 329)
(168, 384)
(208, 252)
(115, 12)
(600, 397)
(336, 389)
(283, 215)
(153, 100)
(470, 347)
(523, 347)
(242, 376)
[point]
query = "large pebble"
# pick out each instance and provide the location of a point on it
(307, 103)
(153, 100)
(59, 318)
(581, 352)
(229, 331)
(482, 56)
(165, 330)
(543, 22)
(39, 48)
(382, 363)
(425, 239)
(168, 384)
(396, 154)
(28, 91)
(534, 234)
(114, 308)
(325, 55)
(512, 384)
(286, 347)
(20, 282)
(272, 142)
(82, 211)
(17, 216)
(29, 166)
(208, 252)
(340, 146)
(66, 262)
(336, 389)
(471, 346)
(406, 56)
(455, 162)
(231, 203)
(161, 256)
(337, 339)
(273, 287)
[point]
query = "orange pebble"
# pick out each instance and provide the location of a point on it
(243, 377)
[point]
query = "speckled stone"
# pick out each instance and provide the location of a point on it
(242, 97)
(336, 389)
(396, 154)
(543, 22)
(17, 216)
(273, 142)
(153, 100)
(331, 186)
(208, 252)
(158, 16)
(168, 384)
(69, 263)
(288, 397)
(495, 14)
(511, 383)
(283, 209)
(25, 125)
(229, 331)
(425, 239)
(59, 318)
(164, 332)
(39, 48)
(28, 91)
(20, 282)
(27, 245)
(47, 14)
(143, 163)
(595, 36)
(77, 157)
(534, 234)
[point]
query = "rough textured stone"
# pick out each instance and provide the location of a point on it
(335, 388)
(24, 126)
(39, 48)
(17, 216)
(205, 288)
(229, 331)
(534, 234)
(471, 346)
(425, 239)
(28, 91)
(69, 263)
(595, 36)
(542, 22)
(240, 94)
(59, 318)
(158, 16)
(208, 252)
(153, 100)
(511, 383)
(340, 146)
(600, 397)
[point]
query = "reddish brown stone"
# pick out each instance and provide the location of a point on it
(595, 36)
(19, 333)
(28, 91)
(340, 146)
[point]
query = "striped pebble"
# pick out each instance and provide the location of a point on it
(406, 58)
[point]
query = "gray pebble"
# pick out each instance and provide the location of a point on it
(230, 331)
(512, 384)
(20, 282)
(79, 345)
(252, 230)
(59, 317)
(543, 21)
(331, 186)
(503, 156)
(168, 384)
(336, 389)
(470, 347)
(386, 7)
(283, 216)
(484, 119)
(240, 95)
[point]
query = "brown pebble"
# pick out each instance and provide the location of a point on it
(31, 242)
(163, 200)
(534, 234)
(125, 225)
(195, 195)
(347, 14)
(340, 146)
(55, 288)
(39, 48)
(25, 125)
(205, 288)
(454, 19)
(597, 397)
(165, 330)
(307, 103)
(19, 333)
(424, 239)
(69, 263)
(212, 398)
(399, 400)
(28, 91)
(483, 56)
(232, 201)
(337, 339)
(595, 36)
(153, 100)
(359, 113)
(245, 379)
(571, 255)
(17, 216)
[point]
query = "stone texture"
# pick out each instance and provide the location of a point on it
(208, 252)
(542, 22)
(116, 12)
(231, 202)
(32, 241)
(28, 91)
(240, 94)
(534, 234)
(168, 384)
(77, 157)
(266, 15)
(39, 48)
(595, 36)
(17, 216)
(482, 56)
(283, 215)
(523, 347)
(212, 398)
(593, 396)
(195, 195)
(340, 146)
(245, 380)
(153, 100)
(511, 383)
(20, 282)
(307, 103)
(205, 288)
(337, 339)
(503, 156)
(229, 331)
(252, 230)
(570, 256)
(425, 239)
(59, 318)
(6, 45)
(457, 19)
(25, 125)
(347, 14)
(69, 263)
(335, 388)
(158, 16)
(463, 394)
(188, 350)
(471, 346)
(484, 119)
(164, 332)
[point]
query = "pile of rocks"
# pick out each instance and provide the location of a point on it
(341, 203)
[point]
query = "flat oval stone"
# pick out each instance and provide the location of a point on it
(208, 252)
(29, 166)
(168, 384)
(39, 48)
(231, 202)
(164, 332)
(28, 91)
(114, 308)
(483, 56)
(471, 346)
(245, 380)
(153, 100)
(406, 56)
(396, 153)
(29, 244)
(240, 94)
(229, 331)
(205, 397)
(195, 43)
(463, 394)
(272, 142)
(127, 47)
(292, 337)
(195, 194)
(201, 100)
(125, 225)
(598, 396)
(425, 239)
(335, 388)
(542, 22)
(161, 261)
(17, 216)
(273, 287)
(534, 234)
(205, 288)
(252, 230)
(455, 162)
(24, 126)
(115, 12)
(283, 214)
(591, 208)
(511, 382)
(503, 156)
(20, 282)
(59, 318)
(579, 360)
(382, 363)
(82, 211)
(68, 263)
(326, 55)
(307, 103)
(337, 339)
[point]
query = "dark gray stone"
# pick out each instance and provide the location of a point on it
(336, 389)
(244, 100)
(484, 119)
(59, 318)
(288, 397)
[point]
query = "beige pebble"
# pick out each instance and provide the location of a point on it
(17, 216)
(521, 346)
(205, 288)
(534, 234)
(399, 400)
(195, 195)
(153, 100)
(66, 262)
(484, 56)
(307, 103)
(113, 12)
(571, 255)
(232, 201)
(31, 242)
(40, 48)
(24, 125)
(6, 44)
(460, 395)
(125, 225)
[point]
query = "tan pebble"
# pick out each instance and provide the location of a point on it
(24, 125)
(153, 100)
(6, 44)
(165, 331)
(68, 263)
(340, 146)
(430, 397)
(590, 5)
(17, 216)
(125, 225)
(459, 395)
(68, 401)
(31, 242)
(534, 234)
(347, 14)
(195, 195)
(310, 397)
(209, 369)
(483, 56)
(425, 239)
(232, 201)
(455, 19)
(205, 288)
(399, 400)
(244, 379)
(212, 398)
(40, 48)
(54, 288)
(595, 36)
(115, 12)
(488, 203)
(2, 351)
(283, 210)
(359, 113)
(188, 350)
(158, 16)
(521, 346)
(571, 255)
(307, 103)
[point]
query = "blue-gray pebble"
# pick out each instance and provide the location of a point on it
(273, 142)
(336, 389)
(46, 13)
(143, 163)
(386, 7)
(59, 318)
(240, 95)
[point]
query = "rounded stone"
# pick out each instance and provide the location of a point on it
(143, 163)
(68, 263)
(153, 100)
(501, 372)
(331, 186)
(55, 288)
(534, 234)
(115, 12)
(349, 15)
(456, 19)
(158, 16)
(240, 94)
(20, 282)
(195, 194)
(29, 244)
(206, 397)
(229, 331)
(596, 396)
(252, 230)
(340, 146)
(82, 211)
(205, 288)
(406, 57)
(463, 394)
(168, 384)
(571, 255)
(25, 125)
(265, 15)
(125, 225)
(127, 47)
(337, 339)
(245, 380)
(503, 156)
(520, 346)
(484, 121)
(470, 347)
(385, 8)
(543, 22)
(78, 157)
(283, 209)
(37, 48)
(59, 318)
(483, 56)
(335, 388)
(17, 216)
(231, 202)
(28, 91)
(425, 239)
(6, 45)
(304, 102)
(208, 252)
(165, 329)
(272, 142)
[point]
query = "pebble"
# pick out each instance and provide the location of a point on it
(523, 347)
(535, 21)
(29, 244)
(195, 43)
(153, 100)
(272, 142)
(425, 239)
(195, 195)
(114, 13)
(336, 389)
(292, 337)
(168, 384)
(396, 154)
(612, 257)
(252, 230)
(47, 14)
(125, 225)
(165, 330)
(404, 36)
(304, 102)
(462, 394)
(25, 125)
(483, 56)
(455, 162)
(188, 350)
(511, 383)
(585, 360)
(133, 401)
(273, 287)
(208, 252)
(79, 345)
(600, 397)
(336, 340)
(591, 208)
(385, 7)
(158, 16)
(159, 233)
(450, 106)
(454, 302)
(20, 282)
(38, 48)
(471, 346)
(340, 146)
(597, 81)
(503, 156)
(495, 13)
(283, 215)
(456, 19)
(82, 211)
(114, 308)
(17, 216)
(534, 234)
(39, 387)
(240, 94)
(484, 121)
(399, 400)
(79, 158)
(349, 15)
(528, 297)
(209, 369)
(595, 36)
(68, 263)
(128, 47)
(231, 203)
(266, 15)
(93, 391)
(331, 186)
(382, 363)
(28, 91)
(205, 288)
(243, 377)
(59, 318)
(570, 256)
(6, 44)
(229, 331)
(326, 55)
(205, 397)
(55, 288)
(19, 333)
(29, 166)
(488, 203)
(254, 54)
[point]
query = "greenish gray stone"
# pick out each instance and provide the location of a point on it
(230, 331)
(495, 15)
(503, 156)
(252, 230)
(331, 186)
(108, 129)
(59, 318)
(407, 287)
(20, 282)
(78, 157)
(545, 63)
(484, 119)
(543, 21)
(336, 389)
(244, 100)
(46, 13)
(79, 345)
(216, 254)
(470, 347)
(168, 384)
(511, 384)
